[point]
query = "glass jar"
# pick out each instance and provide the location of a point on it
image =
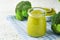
(36, 24)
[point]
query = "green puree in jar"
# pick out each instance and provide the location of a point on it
(36, 24)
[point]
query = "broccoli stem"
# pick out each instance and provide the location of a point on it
(19, 15)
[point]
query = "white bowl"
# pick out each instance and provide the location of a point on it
(48, 18)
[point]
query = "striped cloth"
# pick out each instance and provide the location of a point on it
(20, 26)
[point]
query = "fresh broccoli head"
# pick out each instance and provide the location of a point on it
(56, 23)
(22, 9)
(56, 18)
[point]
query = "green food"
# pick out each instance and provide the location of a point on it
(46, 9)
(58, 28)
(22, 9)
(59, 0)
(49, 12)
(56, 23)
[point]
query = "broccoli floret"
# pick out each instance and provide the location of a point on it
(56, 23)
(56, 18)
(21, 9)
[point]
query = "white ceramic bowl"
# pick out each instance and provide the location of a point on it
(48, 18)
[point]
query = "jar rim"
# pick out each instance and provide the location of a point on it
(36, 8)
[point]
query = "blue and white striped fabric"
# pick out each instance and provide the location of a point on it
(20, 26)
